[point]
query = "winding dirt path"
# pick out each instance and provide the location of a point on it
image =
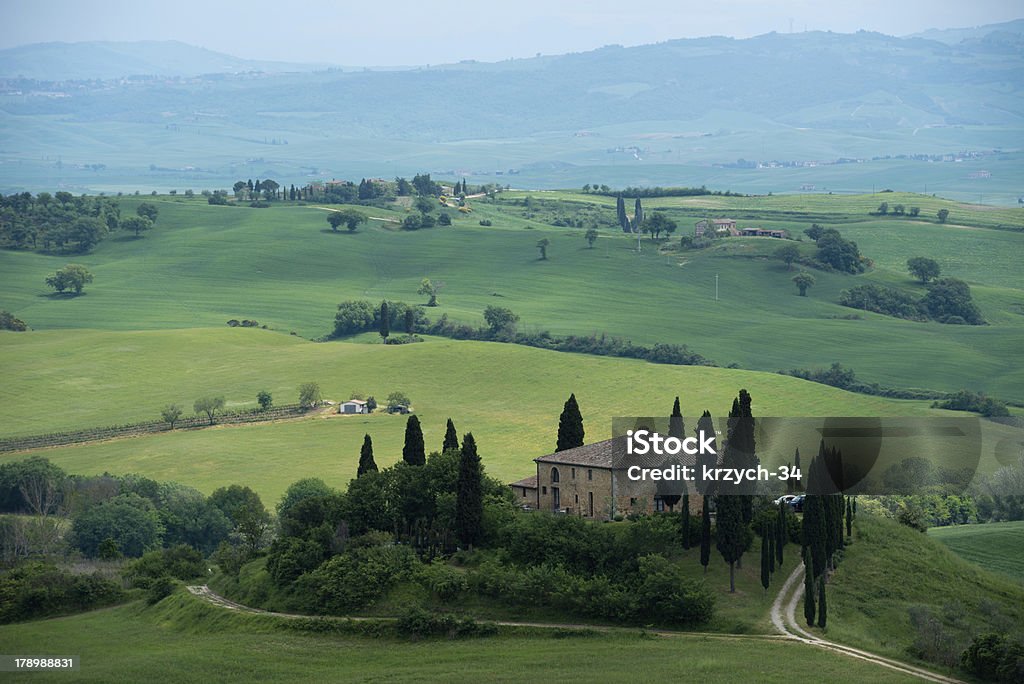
(785, 621)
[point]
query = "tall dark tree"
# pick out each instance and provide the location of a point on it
(706, 425)
(366, 462)
(771, 549)
(451, 438)
(766, 576)
(638, 215)
(705, 533)
(410, 321)
(808, 589)
(781, 535)
(570, 426)
(414, 451)
(620, 214)
(849, 518)
(732, 535)
(676, 427)
(822, 606)
(385, 323)
(469, 502)
(686, 521)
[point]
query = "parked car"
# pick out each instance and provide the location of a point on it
(797, 504)
(785, 498)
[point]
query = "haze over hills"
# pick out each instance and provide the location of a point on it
(712, 111)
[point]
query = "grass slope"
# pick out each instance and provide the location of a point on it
(183, 640)
(508, 396)
(891, 568)
(203, 265)
(997, 546)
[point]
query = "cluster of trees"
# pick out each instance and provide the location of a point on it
(655, 191)
(947, 300)
(9, 321)
(65, 223)
(900, 210)
(73, 278)
(976, 402)
(834, 252)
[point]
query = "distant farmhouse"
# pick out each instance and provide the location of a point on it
(353, 406)
(585, 482)
(727, 227)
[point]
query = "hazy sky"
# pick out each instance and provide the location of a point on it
(386, 32)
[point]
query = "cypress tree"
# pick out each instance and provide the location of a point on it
(849, 518)
(771, 549)
(414, 452)
(638, 216)
(366, 462)
(620, 214)
(808, 588)
(732, 535)
(822, 607)
(451, 438)
(570, 426)
(766, 576)
(469, 502)
(686, 521)
(676, 428)
(705, 534)
(410, 321)
(385, 323)
(781, 533)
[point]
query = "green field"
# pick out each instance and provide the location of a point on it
(996, 546)
(188, 641)
(203, 265)
(509, 396)
(891, 569)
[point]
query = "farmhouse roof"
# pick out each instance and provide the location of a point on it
(526, 482)
(596, 455)
(354, 401)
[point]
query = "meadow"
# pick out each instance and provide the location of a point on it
(997, 546)
(282, 266)
(190, 641)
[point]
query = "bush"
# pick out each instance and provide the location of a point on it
(443, 580)
(417, 622)
(9, 322)
(486, 222)
(995, 657)
(34, 590)
(159, 589)
(179, 562)
(357, 578)
(976, 402)
(883, 300)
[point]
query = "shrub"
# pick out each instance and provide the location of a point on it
(36, 589)
(160, 588)
(179, 562)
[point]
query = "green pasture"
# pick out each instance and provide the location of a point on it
(995, 546)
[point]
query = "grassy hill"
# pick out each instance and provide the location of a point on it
(508, 396)
(203, 265)
(996, 546)
(190, 641)
(891, 571)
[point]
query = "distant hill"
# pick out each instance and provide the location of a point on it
(954, 36)
(107, 60)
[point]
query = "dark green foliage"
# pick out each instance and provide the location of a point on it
(676, 426)
(187, 517)
(180, 562)
(883, 300)
(781, 528)
(469, 495)
(500, 319)
(976, 402)
(809, 609)
(837, 253)
(75, 224)
(849, 518)
(159, 589)
(788, 253)
(9, 322)
(14, 475)
(766, 575)
(384, 322)
(353, 317)
(414, 451)
(265, 399)
(923, 269)
(357, 578)
(305, 488)
(732, 534)
(995, 657)
(943, 214)
(803, 280)
(72, 277)
(451, 438)
(570, 426)
(666, 595)
(291, 557)
(420, 623)
(130, 520)
(366, 462)
(705, 533)
(35, 590)
(949, 301)
(822, 605)
(686, 521)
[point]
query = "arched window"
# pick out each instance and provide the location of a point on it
(554, 474)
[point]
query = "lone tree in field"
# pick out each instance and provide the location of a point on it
(335, 219)
(500, 319)
(570, 426)
(71, 277)
(542, 245)
(803, 280)
(366, 462)
(788, 254)
(385, 323)
(943, 215)
(309, 395)
(171, 414)
(431, 289)
(136, 224)
(414, 451)
(210, 406)
(923, 269)
(451, 438)
(591, 236)
(351, 218)
(469, 501)
(265, 400)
